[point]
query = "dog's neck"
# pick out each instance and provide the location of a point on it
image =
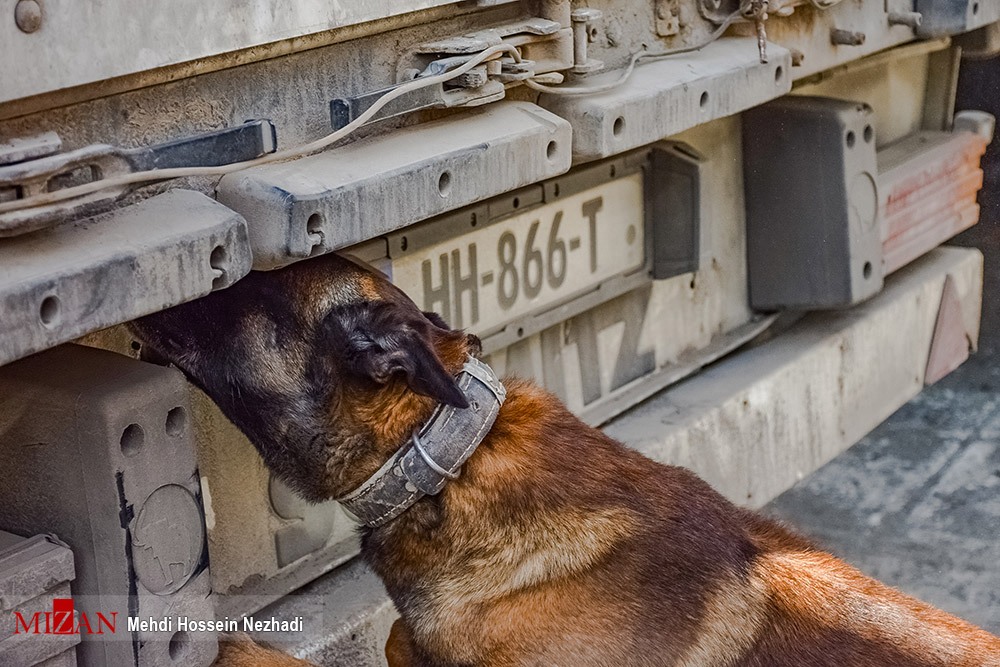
(364, 426)
(434, 453)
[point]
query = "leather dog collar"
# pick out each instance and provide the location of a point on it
(434, 454)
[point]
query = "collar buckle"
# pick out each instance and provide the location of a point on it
(429, 461)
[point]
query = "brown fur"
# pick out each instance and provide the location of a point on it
(557, 546)
(238, 650)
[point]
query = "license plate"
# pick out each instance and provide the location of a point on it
(530, 261)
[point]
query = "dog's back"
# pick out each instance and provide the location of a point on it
(822, 611)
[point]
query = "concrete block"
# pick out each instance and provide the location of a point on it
(346, 195)
(668, 96)
(65, 659)
(757, 422)
(97, 448)
(62, 283)
(29, 566)
(27, 648)
(33, 572)
(347, 617)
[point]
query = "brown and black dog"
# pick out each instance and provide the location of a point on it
(557, 546)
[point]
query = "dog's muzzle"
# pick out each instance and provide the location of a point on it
(434, 454)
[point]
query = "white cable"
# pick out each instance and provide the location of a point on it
(587, 90)
(299, 151)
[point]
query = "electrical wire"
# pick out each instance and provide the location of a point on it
(153, 175)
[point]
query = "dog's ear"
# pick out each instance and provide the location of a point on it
(380, 343)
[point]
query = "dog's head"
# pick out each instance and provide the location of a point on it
(324, 365)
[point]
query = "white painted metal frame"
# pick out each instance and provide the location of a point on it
(75, 44)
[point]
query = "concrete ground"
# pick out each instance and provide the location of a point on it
(916, 504)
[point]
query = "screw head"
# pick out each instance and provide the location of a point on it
(28, 16)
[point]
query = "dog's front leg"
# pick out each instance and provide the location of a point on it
(238, 650)
(399, 649)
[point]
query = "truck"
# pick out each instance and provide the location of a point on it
(712, 227)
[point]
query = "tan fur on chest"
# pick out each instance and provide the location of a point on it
(512, 569)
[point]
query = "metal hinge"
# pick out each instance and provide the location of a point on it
(35, 166)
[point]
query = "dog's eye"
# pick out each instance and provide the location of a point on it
(361, 342)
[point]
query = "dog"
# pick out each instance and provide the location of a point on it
(551, 544)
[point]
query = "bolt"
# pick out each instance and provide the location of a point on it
(582, 18)
(911, 19)
(28, 16)
(797, 57)
(847, 37)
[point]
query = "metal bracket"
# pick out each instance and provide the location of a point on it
(673, 199)
(63, 283)
(545, 46)
(34, 167)
(473, 43)
(662, 99)
(343, 110)
(342, 196)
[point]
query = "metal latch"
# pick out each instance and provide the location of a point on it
(545, 46)
(34, 166)
(471, 89)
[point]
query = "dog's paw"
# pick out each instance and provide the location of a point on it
(238, 650)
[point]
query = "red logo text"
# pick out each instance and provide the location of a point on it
(64, 620)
